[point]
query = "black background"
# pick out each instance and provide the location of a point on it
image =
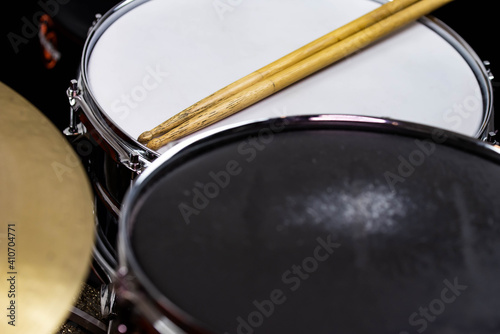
(24, 72)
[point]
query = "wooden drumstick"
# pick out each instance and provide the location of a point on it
(298, 71)
(319, 44)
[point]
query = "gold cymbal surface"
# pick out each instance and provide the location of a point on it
(47, 220)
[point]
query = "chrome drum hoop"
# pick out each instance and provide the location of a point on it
(122, 147)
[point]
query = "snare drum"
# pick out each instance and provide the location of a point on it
(315, 224)
(144, 61)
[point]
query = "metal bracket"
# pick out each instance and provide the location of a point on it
(490, 75)
(94, 23)
(107, 300)
(74, 127)
(135, 163)
(492, 137)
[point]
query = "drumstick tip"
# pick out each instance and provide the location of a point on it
(145, 137)
(154, 144)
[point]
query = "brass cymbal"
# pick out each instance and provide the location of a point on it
(47, 220)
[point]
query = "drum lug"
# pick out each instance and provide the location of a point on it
(73, 93)
(490, 74)
(492, 137)
(135, 164)
(94, 23)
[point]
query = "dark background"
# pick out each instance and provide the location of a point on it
(24, 71)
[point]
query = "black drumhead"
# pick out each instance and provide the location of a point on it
(324, 231)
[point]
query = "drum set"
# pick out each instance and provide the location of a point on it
(361, 199)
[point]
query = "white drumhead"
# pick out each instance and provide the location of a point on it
(165, 55)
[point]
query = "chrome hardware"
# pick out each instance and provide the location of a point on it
(492, 137)
(488, 70)
(97, 18)
(137, 165)
(134, 161)
(96, 124)
(73, 93)
(108, 297)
